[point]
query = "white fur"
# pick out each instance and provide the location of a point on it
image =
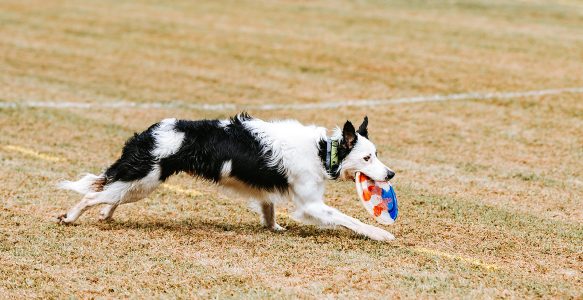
(81, 186)
(224, 123)
(168, 140)
(226, 169)
(292, 145)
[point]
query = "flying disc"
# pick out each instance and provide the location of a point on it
(378, 198)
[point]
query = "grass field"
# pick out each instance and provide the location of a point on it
(490, 191)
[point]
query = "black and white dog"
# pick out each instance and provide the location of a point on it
(267, 162)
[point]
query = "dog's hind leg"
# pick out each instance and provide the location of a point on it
(76, 211)
(266, 211)
(139, 190)
(106, 213)
(312, 210)
(136, 191)
(268, 215)
(114, 194)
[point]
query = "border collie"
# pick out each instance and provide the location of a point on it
(267, 162)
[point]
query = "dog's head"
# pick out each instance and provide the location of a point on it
(358, 154)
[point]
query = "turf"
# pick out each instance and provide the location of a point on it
(490, 191)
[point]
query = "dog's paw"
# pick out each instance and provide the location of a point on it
(104, 219)
(61, 219)
(377, 234)
(105, 216)
(277, 228)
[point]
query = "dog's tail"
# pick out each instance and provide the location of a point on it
(89, 183)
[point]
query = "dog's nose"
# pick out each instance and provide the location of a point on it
(390, 175)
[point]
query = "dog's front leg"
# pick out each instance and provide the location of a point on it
(313, 210)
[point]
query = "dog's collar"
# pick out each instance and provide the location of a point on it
(332, 158)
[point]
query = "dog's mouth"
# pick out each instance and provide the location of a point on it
(353, 177)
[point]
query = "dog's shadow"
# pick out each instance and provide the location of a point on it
(191, 227)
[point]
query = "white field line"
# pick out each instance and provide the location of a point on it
(294, 106)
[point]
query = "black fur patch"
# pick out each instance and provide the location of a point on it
(136, 160)
(344, 149)
(363, 128)
(343, 152)
(207, 145)
(322, 152)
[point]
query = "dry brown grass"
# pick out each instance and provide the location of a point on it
(490, 192)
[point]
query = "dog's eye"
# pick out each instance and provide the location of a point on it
(366, 158)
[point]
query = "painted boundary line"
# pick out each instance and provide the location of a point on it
(32, 153)
(293, 106)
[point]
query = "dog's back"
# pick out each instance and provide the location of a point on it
(210, 149)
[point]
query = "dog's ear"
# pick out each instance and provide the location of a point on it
(348, 135)
(362, 129)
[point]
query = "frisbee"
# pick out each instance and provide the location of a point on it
(378, 198)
